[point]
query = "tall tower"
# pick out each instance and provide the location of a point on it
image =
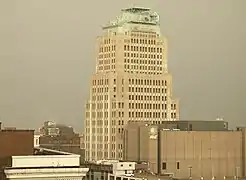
(131, 82)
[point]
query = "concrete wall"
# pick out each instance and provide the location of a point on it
(131, 144)
(208, 153)
(138, 145)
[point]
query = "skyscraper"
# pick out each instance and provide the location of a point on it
(131, 82)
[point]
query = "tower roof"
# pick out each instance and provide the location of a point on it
(136, 9)
(135, 15)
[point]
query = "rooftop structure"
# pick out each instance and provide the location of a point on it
(106, 169)
(135, 15)
(184, 125)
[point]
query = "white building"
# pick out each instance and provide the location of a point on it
(131, 82)
(120, 168)
(36, 140)
(46, 167)
(124, 169)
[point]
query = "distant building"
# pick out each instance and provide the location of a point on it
(50, 128)
(205, 150)
(60, 137)
(61, 143)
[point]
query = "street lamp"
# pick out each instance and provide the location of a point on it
(190, 169)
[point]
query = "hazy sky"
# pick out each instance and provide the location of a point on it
(47, 57)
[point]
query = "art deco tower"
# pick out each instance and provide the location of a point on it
(131, 82)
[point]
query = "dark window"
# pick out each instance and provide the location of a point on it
(111, 178)
(164, 166)
(190, 127)
(177, 165)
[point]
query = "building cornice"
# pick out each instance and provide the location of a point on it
(47, 173)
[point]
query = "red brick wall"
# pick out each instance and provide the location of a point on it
(16, 142)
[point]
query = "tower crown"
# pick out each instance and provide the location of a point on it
(136, 15)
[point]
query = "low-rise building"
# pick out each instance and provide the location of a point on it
(182, 153)
(46, 167)
(124, 169)
(106, 169)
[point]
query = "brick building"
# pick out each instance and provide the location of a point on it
(14, 142)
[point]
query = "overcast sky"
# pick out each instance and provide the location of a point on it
(47, 57)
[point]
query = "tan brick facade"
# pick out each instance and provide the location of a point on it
(181, 153)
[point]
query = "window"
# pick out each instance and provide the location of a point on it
(190, 127)
(164, 165)
(177, 165)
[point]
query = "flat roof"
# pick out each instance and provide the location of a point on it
(43, 150)
(16, 130)
(43, 167)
